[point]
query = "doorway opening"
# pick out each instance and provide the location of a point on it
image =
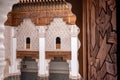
(29, 68)
(59, 69)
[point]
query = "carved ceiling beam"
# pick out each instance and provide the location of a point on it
(33, 54)
(66, 55)
(43, 1)
(31, 1)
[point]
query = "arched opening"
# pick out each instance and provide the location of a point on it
(27, 43)
(58, 43)
(59, 69)
(79, 8)
(29, 68)
(82, 56)
(85, 4)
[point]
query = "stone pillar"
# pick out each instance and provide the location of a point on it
(5, 8)
(41, 62)
(41, 56)
(14, 62)
(74, 72)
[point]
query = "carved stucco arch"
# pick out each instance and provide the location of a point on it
(77, 9)
(82, 10)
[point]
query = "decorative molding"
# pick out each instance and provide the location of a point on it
(37, 19)
(74, 30)
(58, 28)
(65, 54)
(40, 14)
(49, 54)
(42, 31)
(33, 54)
(27, 29)
(41, 1)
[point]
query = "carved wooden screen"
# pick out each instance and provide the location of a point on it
(102, 40)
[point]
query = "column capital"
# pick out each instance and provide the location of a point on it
(42, 31)
(74, 31)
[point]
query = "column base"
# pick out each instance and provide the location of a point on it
(16, 77)
(43, 78)
(76, 79)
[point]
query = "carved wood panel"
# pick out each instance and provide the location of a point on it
(65, 54)
(42, 14)
(103, 40)
(33, 54)
(48, 54)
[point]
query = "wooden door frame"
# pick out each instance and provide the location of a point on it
(80, 7)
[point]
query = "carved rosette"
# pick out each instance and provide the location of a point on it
(74, 31)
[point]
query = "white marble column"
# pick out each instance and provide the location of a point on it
(13, 69)
(41, 71)
(13, 56)
(74, 72)
(41, 63)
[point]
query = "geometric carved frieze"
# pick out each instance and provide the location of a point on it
(26, 30)
(58, 28)
(40, 14)
(52, 54)
(103, 40)
(49, 54)
(103, 51)
(33, 54)
(38, 21)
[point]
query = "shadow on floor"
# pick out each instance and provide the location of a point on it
(58, 76)
(29, 75)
